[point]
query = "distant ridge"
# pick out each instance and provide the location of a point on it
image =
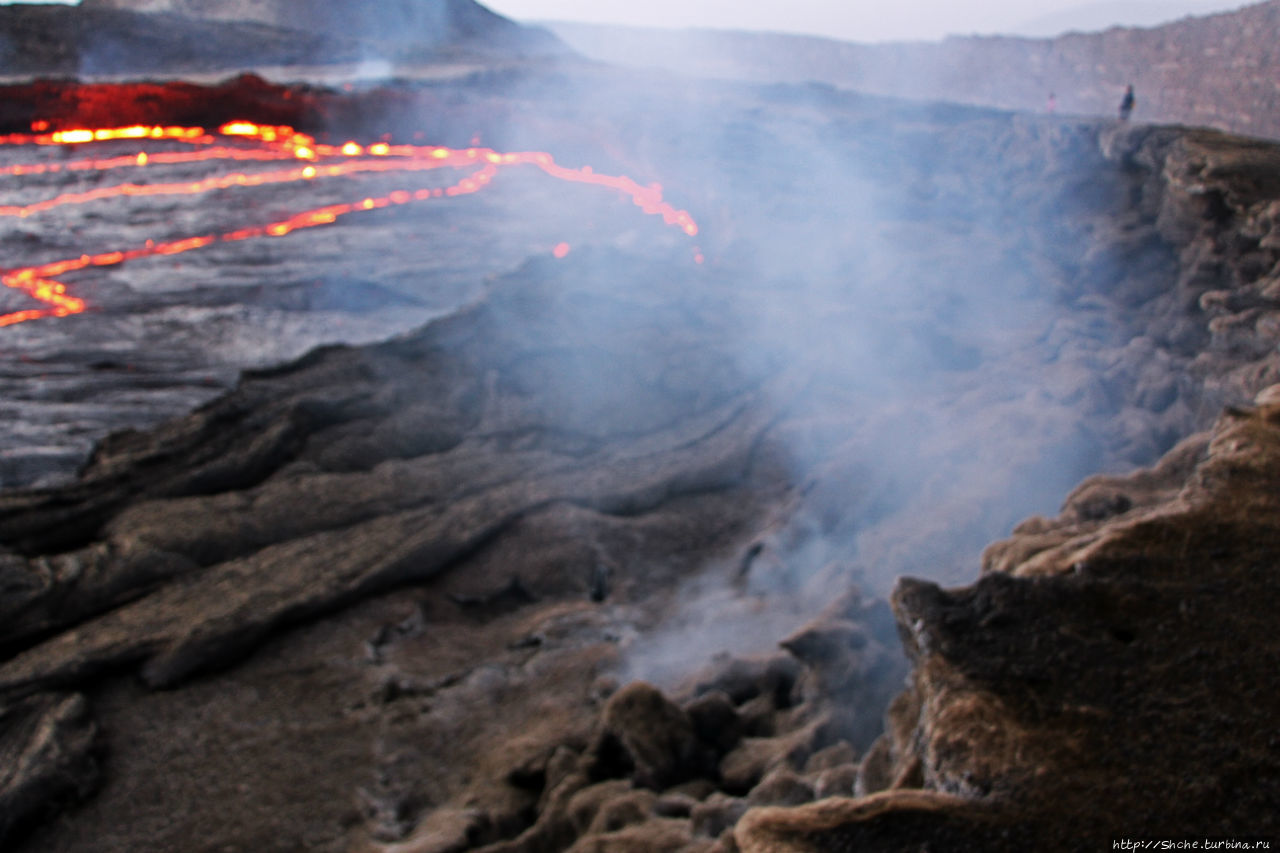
(422, 23)
(1105, 14)
(1216, 71)
(104, 38)
(52, 39)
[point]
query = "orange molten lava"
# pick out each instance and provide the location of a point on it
(269, 143)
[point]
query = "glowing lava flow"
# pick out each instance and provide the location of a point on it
(273, 143)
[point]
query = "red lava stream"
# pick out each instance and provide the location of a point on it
(309, 161)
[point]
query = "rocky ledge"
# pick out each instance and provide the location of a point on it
(1112, 675)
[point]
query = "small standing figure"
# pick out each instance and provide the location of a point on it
(1126, 105)
(1051, 106)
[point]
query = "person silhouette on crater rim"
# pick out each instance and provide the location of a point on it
(1126, 105)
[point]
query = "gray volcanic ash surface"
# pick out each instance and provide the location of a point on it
(387, 594)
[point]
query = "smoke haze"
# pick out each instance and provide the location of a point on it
(919, 20)
(914, 289)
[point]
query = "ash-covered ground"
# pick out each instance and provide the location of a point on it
(387, 594)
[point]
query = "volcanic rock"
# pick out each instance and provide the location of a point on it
(425, 23)
(782, 787)
(298, 603)
(308, 429)
(656, 737)
(55, 39)
(46, 751)
(1070, 694)
(719, 813)
(716, 720)
(103, 38)
(480, 461)
(1066, 697)
(66, 104)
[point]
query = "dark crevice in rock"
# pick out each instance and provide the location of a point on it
(47, 758)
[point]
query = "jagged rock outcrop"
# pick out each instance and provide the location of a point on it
(1111, 675)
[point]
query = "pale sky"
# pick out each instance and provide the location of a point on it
(862, 20)
(868, 20)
